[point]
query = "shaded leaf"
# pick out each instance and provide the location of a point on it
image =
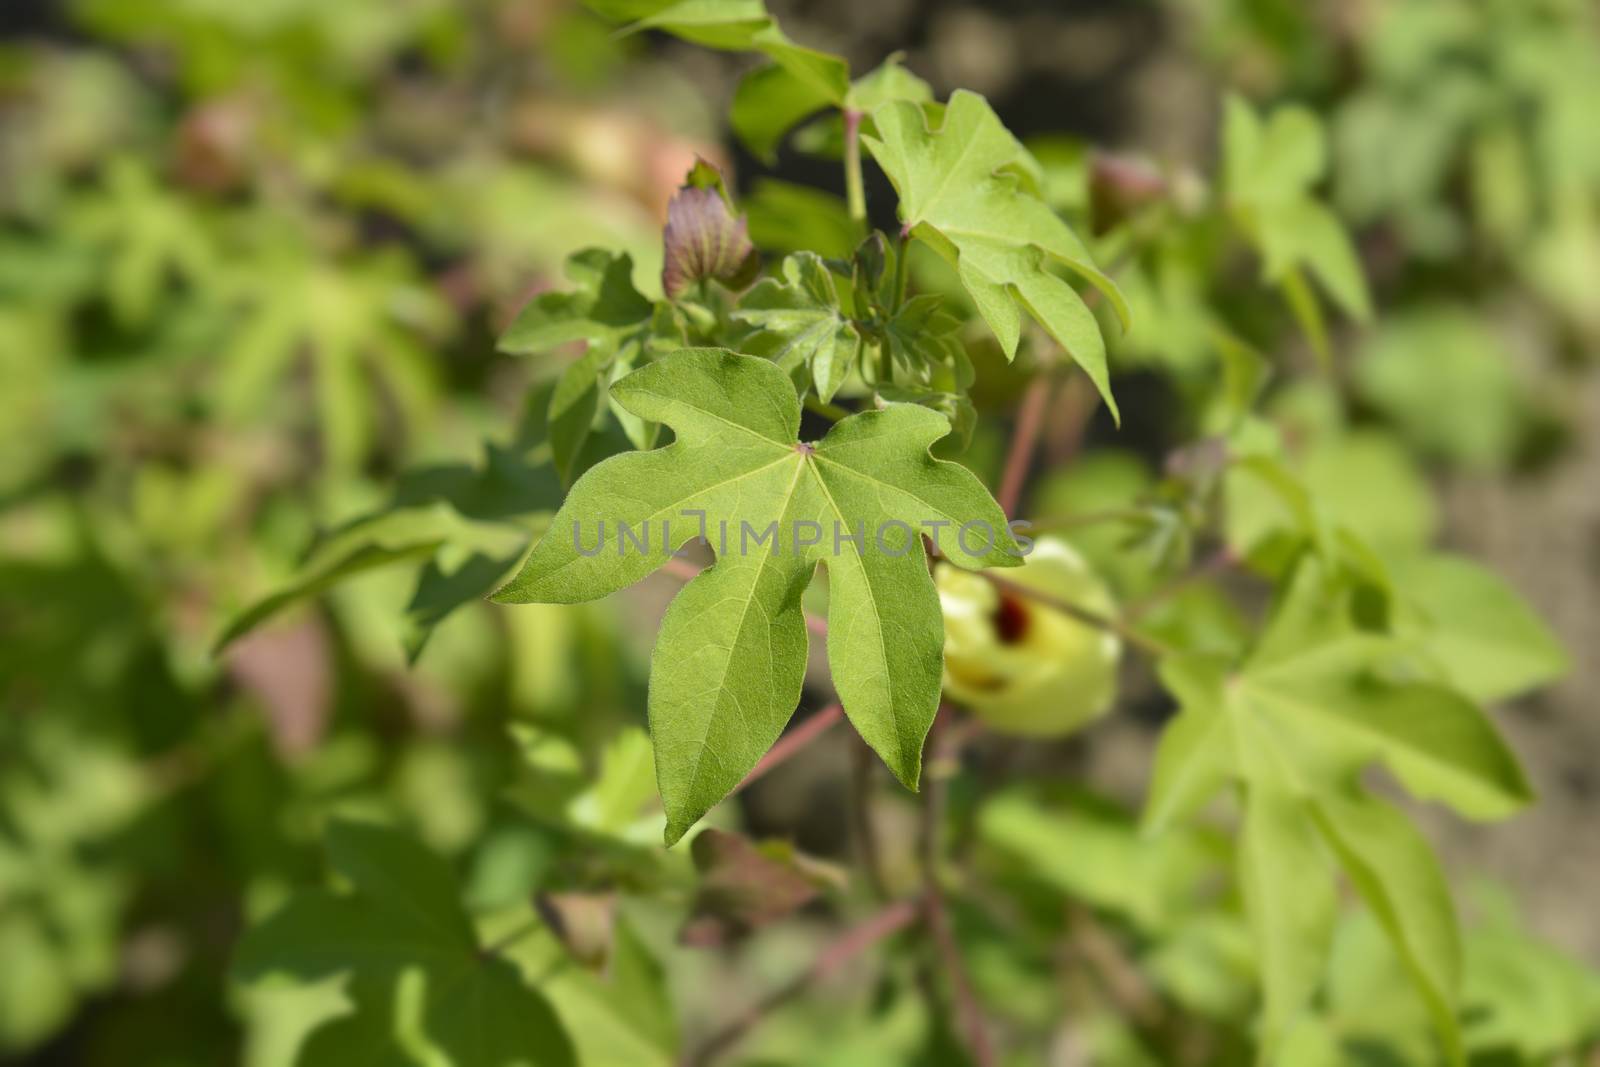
(419, 979)
(802, 325)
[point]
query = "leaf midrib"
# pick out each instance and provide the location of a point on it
(815, 464)
(761, 570)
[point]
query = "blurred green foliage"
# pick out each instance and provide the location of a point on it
(263, 463)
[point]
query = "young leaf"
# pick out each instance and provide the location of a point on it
(802, 324)
(1392, 867)
(730, 657)
(961, 191)
(605, 311)
(1269, 170)
(1477, 628)
(1313, 704)
(924, 339)
(1289, 896)
(602, 308)
(419, 978)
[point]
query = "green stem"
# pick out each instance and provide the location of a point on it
(501, 944)
(902, 256)
(886, 361)
(854, 190)
(825, 409)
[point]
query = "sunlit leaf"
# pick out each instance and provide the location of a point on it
(731, 653)
(962, 190)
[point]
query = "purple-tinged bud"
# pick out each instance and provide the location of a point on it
(704, 240)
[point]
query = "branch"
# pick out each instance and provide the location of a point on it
(1121, 979)
(830, 961)
(1030, 420)
(969, 1012)
(792, 742)
(862, 763)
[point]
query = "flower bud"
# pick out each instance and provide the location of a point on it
(705, 240)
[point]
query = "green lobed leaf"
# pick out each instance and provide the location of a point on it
(1446, 381)
(730, 657)
(1195, 755)
(1096, 855)
(625, 1017)
(467, 526)
(395, 537)
(1315, 702)
(1273, 161)
(769, 102)
(887, 82)
(1296, 722)
(1303, 232)
(961, 188)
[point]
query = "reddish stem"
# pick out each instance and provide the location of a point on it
(969, 1013)
(1030, 420)
(852, 943)
(793, 741)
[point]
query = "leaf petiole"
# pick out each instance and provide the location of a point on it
(854, 189)
(828, 411)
